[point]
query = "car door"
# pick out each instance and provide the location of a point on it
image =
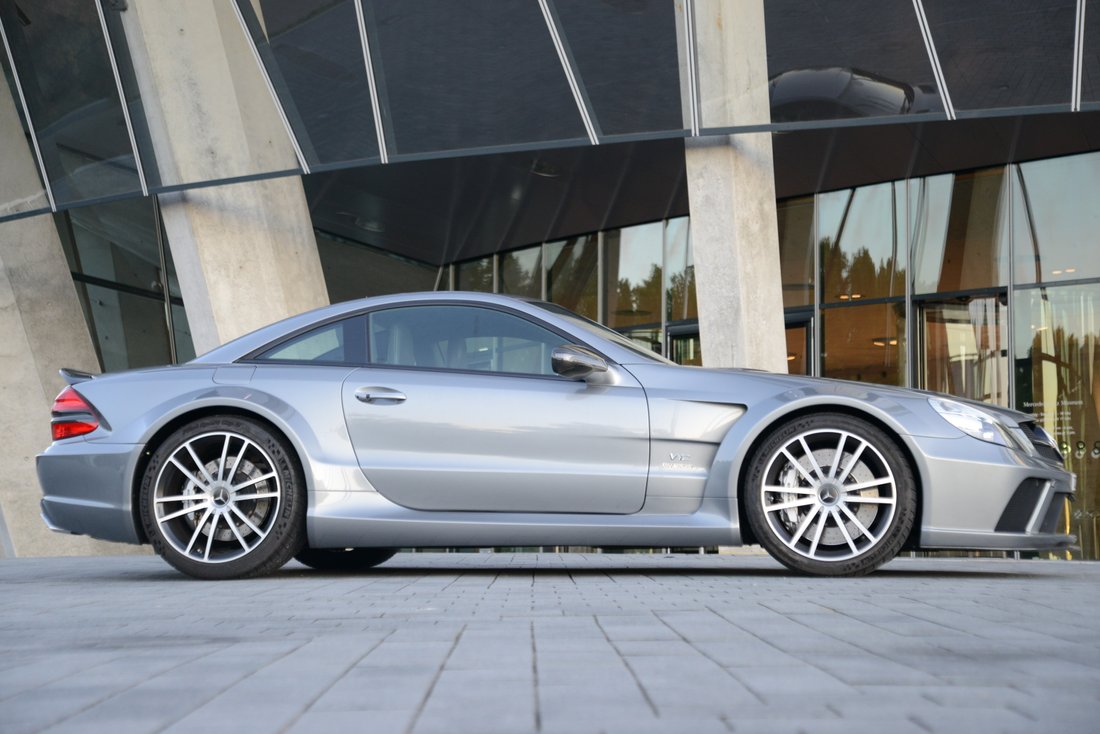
(459, 410)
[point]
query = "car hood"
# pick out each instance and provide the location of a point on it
(721, 379)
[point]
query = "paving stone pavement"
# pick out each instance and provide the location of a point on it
(571, 643)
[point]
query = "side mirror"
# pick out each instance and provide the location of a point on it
(576, 363)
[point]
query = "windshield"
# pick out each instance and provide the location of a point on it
(602, 331)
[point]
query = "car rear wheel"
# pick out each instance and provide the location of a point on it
(344, 559)
(830, 494)
(223, 497)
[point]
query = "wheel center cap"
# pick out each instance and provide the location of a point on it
(829, 494)
(221, 497)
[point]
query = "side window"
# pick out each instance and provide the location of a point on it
(341, 342)
(461, 338)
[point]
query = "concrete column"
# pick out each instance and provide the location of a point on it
(731, 190)
(245, 252)
(42, 329)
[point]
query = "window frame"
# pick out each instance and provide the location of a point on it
(253, 357)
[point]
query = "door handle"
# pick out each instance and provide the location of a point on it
(379, 395)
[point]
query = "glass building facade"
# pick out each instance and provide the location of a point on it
(933, 161)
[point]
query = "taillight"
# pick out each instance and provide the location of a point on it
(72, 415)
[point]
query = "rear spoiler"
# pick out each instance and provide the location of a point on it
(73, 377)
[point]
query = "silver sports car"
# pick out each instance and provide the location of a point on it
(463, 419)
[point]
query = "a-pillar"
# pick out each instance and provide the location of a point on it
(42, 329)
(731, 190)
(245, 253)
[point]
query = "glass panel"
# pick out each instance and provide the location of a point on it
(571, 274)
(796, 255)
(115, 242)
(475, 275)
(1090, 71)
(627, 60)
(61, 57)
(648, 339)
(685, 349)
(1058, 378)
(181, 332)
(338, 343)
(633, 275)
(680, 271)
(20, 177)
(964, 348)
(473, 74)
(861, 255)
(960, 231)
(461, 338)
(521, 273)
(835, 59)
(353, 270)
(997, 54)
(865, 343)
(798, 357)
(314, 57)
(1057, 223)
(129, 331)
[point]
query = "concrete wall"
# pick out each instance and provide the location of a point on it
(42, 329)
(245, 252)
(731, 189)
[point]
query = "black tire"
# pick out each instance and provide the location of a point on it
(344, 560)
(238, 511)
(830, 494)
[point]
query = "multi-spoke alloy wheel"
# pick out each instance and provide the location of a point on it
(220, 499)
(830, 494)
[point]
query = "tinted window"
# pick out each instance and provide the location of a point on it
(341, 342)
(461, 338)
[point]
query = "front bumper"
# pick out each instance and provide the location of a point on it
(86, 488)
(979, 495)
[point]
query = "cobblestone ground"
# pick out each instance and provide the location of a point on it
(487, 643)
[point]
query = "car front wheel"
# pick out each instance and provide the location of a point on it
(223, 497)
(830, 494)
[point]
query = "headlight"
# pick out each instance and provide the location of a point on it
(975, 422)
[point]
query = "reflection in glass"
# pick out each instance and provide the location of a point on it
(796, 255)
(61, 56)
(1058, 379)
(571, 274)
(861, 255)
(627, 60)
(964, 348)
(121, 265)
(475, 275)
(865, 343)
(354, 270)
(313, 55)
(798, 355)
(685, 348)
(968, 248)
(1004, 54)
(116, 242)
(128, 330)
(469, 75)
(1057, 232)
(521, 273)
(836, 59)
(20, 177)
(680, 271)
(633, 275)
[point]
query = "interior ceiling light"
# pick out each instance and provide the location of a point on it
(791, 356)
(882, 341)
